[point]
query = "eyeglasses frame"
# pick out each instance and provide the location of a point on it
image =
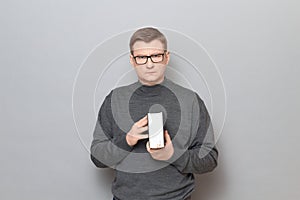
(163, 54)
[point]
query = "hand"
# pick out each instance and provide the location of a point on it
(164, 153)
(136, 132)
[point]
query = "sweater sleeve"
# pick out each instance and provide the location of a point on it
(201, 155)
(109, 145)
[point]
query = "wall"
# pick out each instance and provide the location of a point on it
(254, 43)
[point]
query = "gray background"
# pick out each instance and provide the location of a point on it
(254, 43)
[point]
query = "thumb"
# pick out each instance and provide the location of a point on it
(167, 137)
(148, 147)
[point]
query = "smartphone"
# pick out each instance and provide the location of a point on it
(155, 129)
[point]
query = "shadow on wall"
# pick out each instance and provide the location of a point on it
(105, 175)
(211, 185)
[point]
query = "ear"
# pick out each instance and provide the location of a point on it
(167, 57)
(132, 62)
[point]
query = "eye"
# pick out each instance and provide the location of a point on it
(141, 57)
(156, 55)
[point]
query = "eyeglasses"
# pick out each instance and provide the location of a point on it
(155, 58)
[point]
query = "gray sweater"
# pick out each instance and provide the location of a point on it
(137, 175)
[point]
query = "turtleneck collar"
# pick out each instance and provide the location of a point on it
(150, 90)
(152, 86)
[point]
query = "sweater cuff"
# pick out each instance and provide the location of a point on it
(179, 159)
(122, 143)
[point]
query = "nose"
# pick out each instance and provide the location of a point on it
(149, 63)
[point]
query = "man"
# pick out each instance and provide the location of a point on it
(121, 140)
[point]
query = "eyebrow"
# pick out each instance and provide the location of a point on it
(149, 55)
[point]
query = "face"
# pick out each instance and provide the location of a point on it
(150, 73)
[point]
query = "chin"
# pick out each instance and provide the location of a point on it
(152, 81)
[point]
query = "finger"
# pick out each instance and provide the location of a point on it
(143, 136)
(142, 129)
(144, 118)
(142, 122)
